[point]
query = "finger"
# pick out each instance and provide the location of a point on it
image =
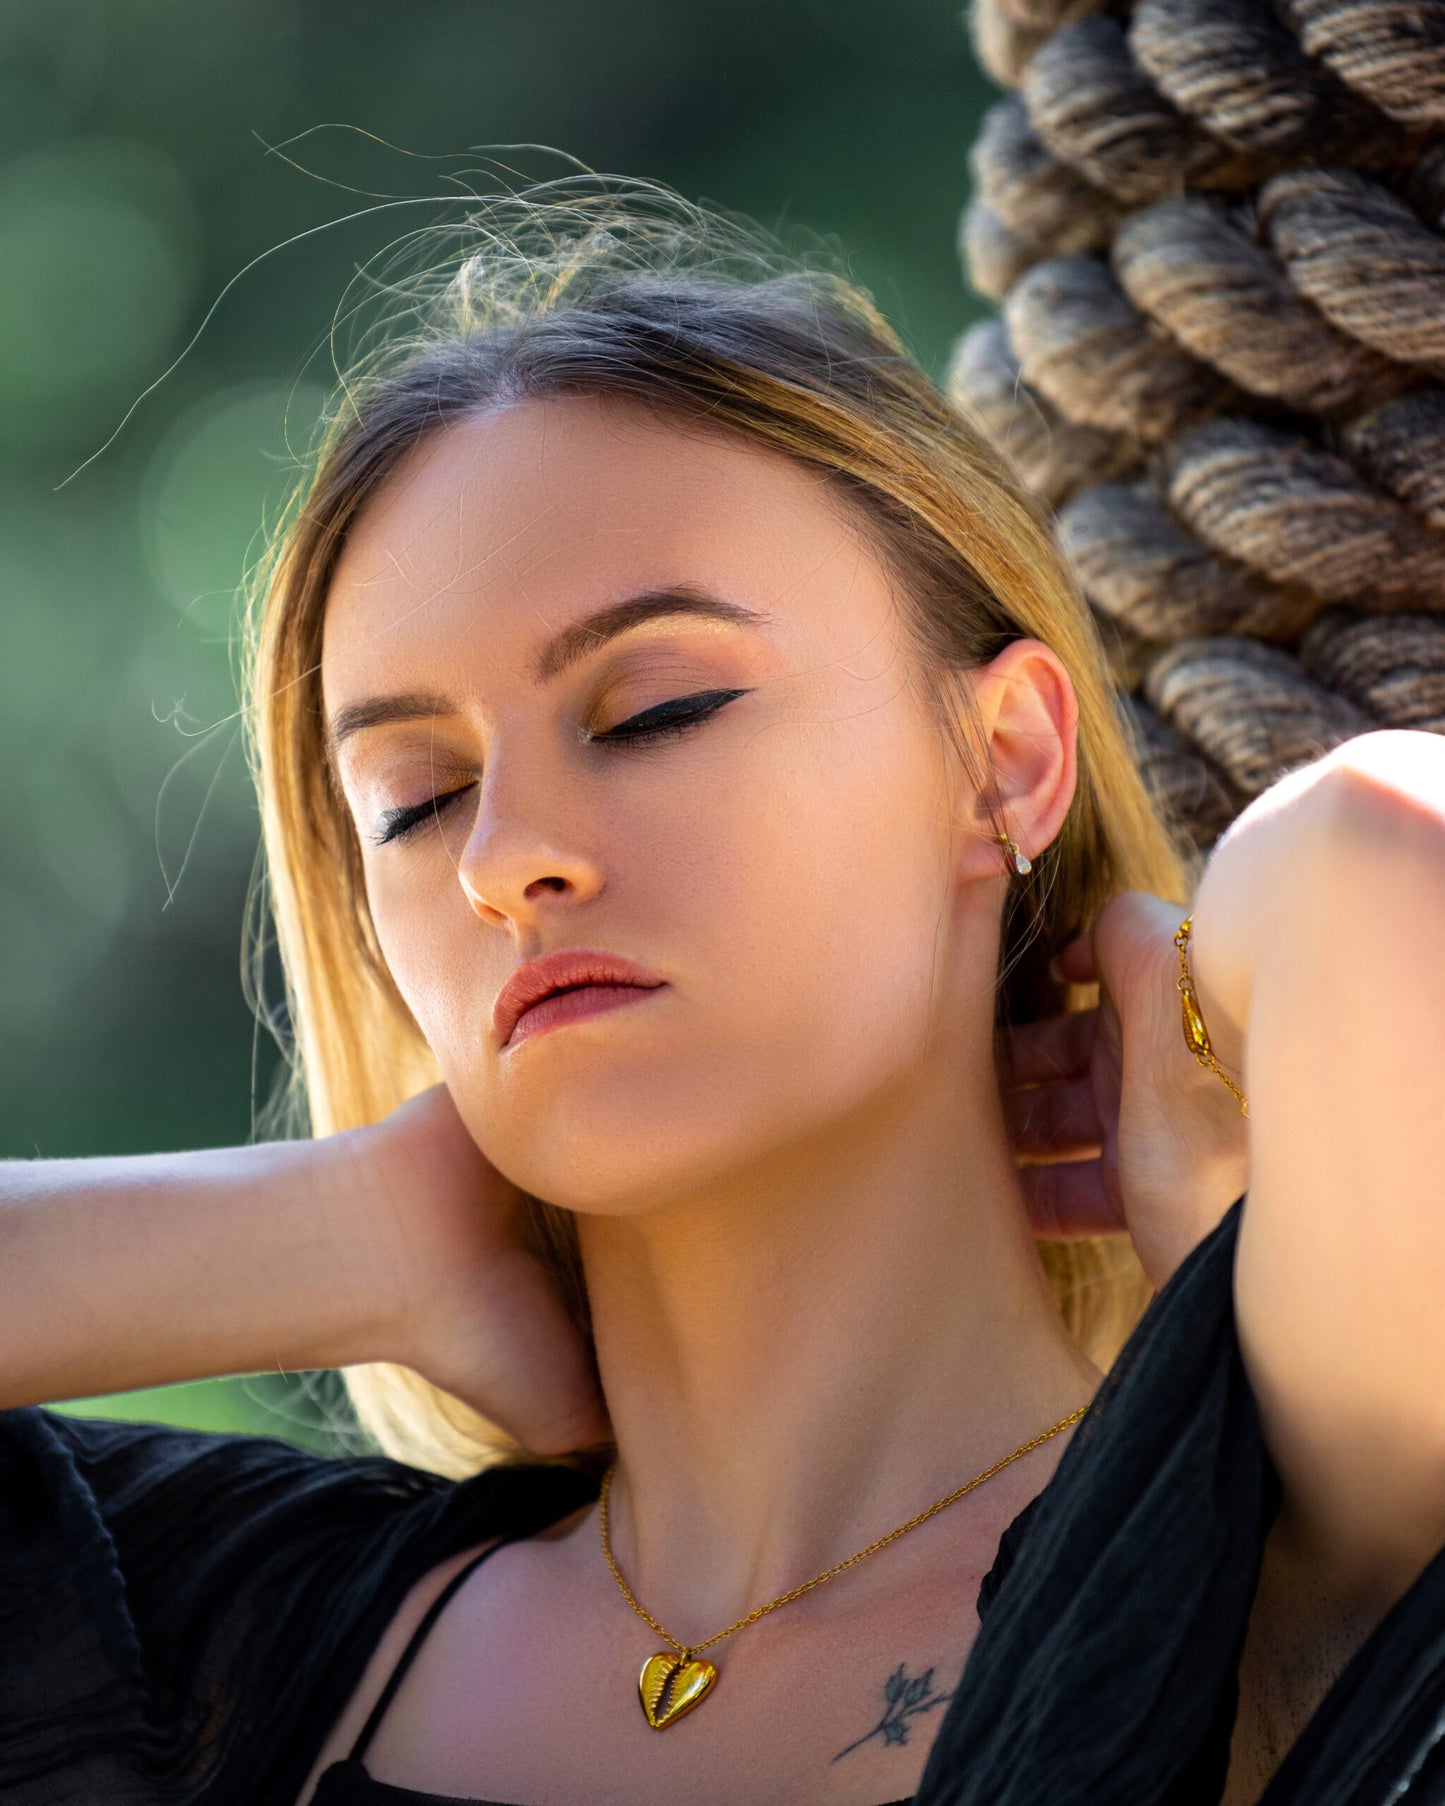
(1068, 1201)
(1074, 961)
(1054, 1047)
(1061, 1120)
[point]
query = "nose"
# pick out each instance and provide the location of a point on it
(521, 857)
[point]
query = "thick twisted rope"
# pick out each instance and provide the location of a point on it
(1391, 50)
(1216, 229)
(1081, 342)
(1197, 268)
(1054, 455)
(1237, 70)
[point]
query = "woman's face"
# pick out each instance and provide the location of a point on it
(787, 863)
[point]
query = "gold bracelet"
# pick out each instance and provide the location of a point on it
(1196, 1036)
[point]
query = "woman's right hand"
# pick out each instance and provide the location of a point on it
(478, 1314)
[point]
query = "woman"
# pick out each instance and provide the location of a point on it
(680, 754)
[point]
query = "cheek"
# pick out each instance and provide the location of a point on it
(827, 915)
(434, 949)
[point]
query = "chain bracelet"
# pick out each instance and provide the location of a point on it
(1195, 1033)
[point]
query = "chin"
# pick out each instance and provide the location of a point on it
(635, 1151)
(613, 1135)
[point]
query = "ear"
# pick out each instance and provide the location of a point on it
(1024, 725)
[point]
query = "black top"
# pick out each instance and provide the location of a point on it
(184, 1614)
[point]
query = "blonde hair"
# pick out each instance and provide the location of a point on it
(596, 285)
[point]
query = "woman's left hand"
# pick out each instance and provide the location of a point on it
(1114, 1123)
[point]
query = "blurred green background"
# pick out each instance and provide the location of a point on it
(135, 183)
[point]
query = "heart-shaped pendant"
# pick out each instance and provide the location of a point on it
(691, 1682)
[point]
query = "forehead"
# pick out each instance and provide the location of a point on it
(505, 525)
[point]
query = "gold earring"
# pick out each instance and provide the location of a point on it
(1021, 862)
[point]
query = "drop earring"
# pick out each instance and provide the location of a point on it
(1021, 862)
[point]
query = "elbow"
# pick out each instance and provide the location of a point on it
(1387, 786)
(1369, 820)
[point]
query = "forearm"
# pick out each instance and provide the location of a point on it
(139, 1270)
(1319, 931)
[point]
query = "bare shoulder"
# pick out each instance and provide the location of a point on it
(384, 1657)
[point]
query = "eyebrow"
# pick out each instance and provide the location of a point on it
(558, 654)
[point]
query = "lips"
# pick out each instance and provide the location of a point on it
(561, 971)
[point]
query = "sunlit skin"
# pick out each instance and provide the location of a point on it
(817, 1302)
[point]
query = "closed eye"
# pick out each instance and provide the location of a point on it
(396, 824)
(674, 717)
(668, 717)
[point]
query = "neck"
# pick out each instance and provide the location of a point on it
(800, 1357)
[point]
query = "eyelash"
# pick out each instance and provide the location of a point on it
(397, 824)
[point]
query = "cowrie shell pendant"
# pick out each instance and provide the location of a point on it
(682, 1684)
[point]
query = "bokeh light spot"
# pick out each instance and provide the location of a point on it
(97, 246)
(223, 468)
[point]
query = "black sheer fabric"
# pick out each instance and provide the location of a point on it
(184, 1614)
(1106, 1663)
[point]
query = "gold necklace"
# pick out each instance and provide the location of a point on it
(672, 1684)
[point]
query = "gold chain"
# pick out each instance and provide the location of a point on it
(1195, 1033)
(688, 1650)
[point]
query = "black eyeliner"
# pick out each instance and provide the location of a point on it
(675, 713)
